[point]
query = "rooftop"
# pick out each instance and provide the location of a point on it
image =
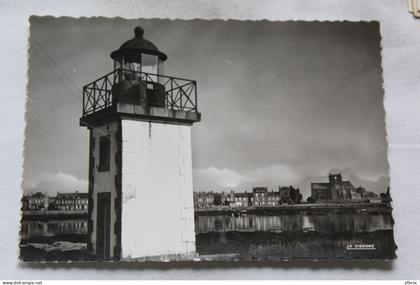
(137, 45)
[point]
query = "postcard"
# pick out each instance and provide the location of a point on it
(204, 140)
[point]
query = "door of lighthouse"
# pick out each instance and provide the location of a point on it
(103, 226)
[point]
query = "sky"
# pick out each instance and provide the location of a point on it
(282, 103)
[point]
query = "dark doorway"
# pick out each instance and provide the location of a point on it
(103, 227)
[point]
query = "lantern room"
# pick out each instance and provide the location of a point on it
(138, 55)
(139, 64)
(138, 85)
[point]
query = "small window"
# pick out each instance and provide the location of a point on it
(104, 153)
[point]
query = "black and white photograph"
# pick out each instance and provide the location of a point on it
(205, 140)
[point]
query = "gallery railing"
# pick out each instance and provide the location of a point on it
(180, 94)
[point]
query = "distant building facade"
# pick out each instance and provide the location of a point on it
(241, 199)
(336, 189)
(63, 201)
(35, 202)
(272, 199)
(228, 199)
(203, 199)
(71, 201)
(362, 191)
(289, 195)
(259, 197)
(81, 201)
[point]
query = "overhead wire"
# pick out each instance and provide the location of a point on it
(51, 63)
(57, 76)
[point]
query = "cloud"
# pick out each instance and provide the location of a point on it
(277, 174)
(218, 177)
(53, 182)
(273, 175)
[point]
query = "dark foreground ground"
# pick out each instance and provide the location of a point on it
(292, 245)
(30, 252)
(244, 245)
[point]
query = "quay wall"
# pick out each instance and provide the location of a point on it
(318, 208)
(54, 214)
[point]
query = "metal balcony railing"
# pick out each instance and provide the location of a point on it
(180, 94)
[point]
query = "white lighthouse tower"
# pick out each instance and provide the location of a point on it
(140, 166)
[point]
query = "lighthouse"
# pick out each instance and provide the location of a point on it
(140, 162)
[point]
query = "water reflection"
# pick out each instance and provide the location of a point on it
(32, 229)
(330, 222)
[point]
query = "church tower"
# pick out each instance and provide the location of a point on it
(140, 165)
(336, 186)
(335, 178)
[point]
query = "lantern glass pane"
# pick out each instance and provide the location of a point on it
(132, 70)
(150, 66)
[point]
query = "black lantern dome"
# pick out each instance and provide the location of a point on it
(132, 49)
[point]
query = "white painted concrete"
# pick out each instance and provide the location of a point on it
(104, 180)
(157, 193)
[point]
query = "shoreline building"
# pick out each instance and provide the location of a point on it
(273, 199)
(289, 195)
(140, 159)
(260, 195)
(35, 202)
(228, 199)
(336, 189)
(62, 201)
(203, 199)
(243, 199)
(71, 201)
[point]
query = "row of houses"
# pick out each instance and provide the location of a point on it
(62, 201)
(332, 191)
(336, 190)
(259, 197)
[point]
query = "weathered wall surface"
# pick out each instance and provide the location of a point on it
(104, 181)
(157, 193)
